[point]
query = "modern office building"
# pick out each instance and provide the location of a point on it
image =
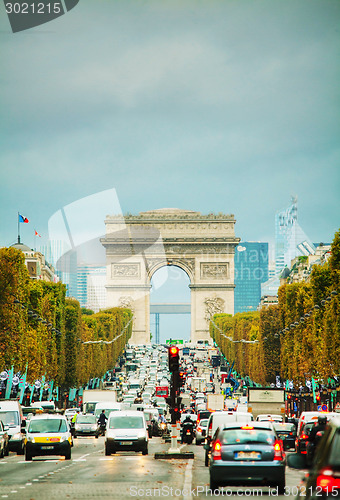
(290, 239)
(251, 269)
(91, 291)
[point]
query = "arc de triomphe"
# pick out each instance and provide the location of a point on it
(202, 245)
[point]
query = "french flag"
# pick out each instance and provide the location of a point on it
(23, 219)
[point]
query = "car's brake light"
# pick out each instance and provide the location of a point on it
(278, 454)
(247, 427)
(326, 481)
(304, 436)
(199, 429)
(216, 454)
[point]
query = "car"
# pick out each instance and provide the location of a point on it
(302, 437)
(287, 432)
(126, 431)
(13, 419)
(86, 425)
(4, 439)
(271, 418)
(70, 412)
(201, 430)
(247, 454)
(219, 419)
(48, 434)
(323, 479)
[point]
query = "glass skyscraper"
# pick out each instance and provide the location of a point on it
(251, 269)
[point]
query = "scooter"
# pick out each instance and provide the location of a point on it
(188, 433)
(102, 429)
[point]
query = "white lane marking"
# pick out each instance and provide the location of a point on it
(132, 458)
(22, 487)
(23, 462)
(4, 496)
(188, 481)
(36, 480)
(79, 460)
(28, 484)
(14, 491)
(107, 459)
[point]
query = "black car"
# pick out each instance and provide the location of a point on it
(286, 432)
(323, 477)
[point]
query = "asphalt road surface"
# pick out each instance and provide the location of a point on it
(126, 475)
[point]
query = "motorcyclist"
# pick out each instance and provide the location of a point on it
(102, 419)
(314, 437)
(319, 427)
(187, 423)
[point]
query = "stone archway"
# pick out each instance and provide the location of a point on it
(202, 245)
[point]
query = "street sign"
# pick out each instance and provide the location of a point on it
(174, 341)
(337, 408)
(319, 408)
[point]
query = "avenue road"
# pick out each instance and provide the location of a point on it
(90, 474)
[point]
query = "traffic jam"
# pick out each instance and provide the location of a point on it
(183, 403)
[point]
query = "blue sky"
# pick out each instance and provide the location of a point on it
(216, 106)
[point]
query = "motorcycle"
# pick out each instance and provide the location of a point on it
(102, 429)
(188, 433)
(163, 429)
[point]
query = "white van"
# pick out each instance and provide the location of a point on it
(108, 407)
(12, 418)
(48, 406)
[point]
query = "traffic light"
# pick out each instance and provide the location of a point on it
(173, 359)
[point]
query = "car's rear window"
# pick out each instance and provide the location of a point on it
(247, 436)
(127, 422)
(86, 419)
(47, 426)
(284, 427)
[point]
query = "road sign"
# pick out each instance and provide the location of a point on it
(319, 408)
(337, 408)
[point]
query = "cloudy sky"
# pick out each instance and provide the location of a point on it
(208, 105)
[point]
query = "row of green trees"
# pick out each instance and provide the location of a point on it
(56, 346)
(297, 339)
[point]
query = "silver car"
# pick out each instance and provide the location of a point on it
(201, 430)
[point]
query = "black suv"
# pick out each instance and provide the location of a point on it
(323, 479)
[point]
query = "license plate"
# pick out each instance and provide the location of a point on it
(47, 447)
(126, 443)
(253, 455)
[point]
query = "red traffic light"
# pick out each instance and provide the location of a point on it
(173, 359)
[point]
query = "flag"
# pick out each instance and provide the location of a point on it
(22, 386)
(23, 219)
(36, 233)
(9, 383)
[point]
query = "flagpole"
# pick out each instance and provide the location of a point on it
(18, 229)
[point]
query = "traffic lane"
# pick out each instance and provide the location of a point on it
(124, 475)
(16, 472)
(199, 480)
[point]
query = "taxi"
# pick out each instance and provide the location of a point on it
(48, 435)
